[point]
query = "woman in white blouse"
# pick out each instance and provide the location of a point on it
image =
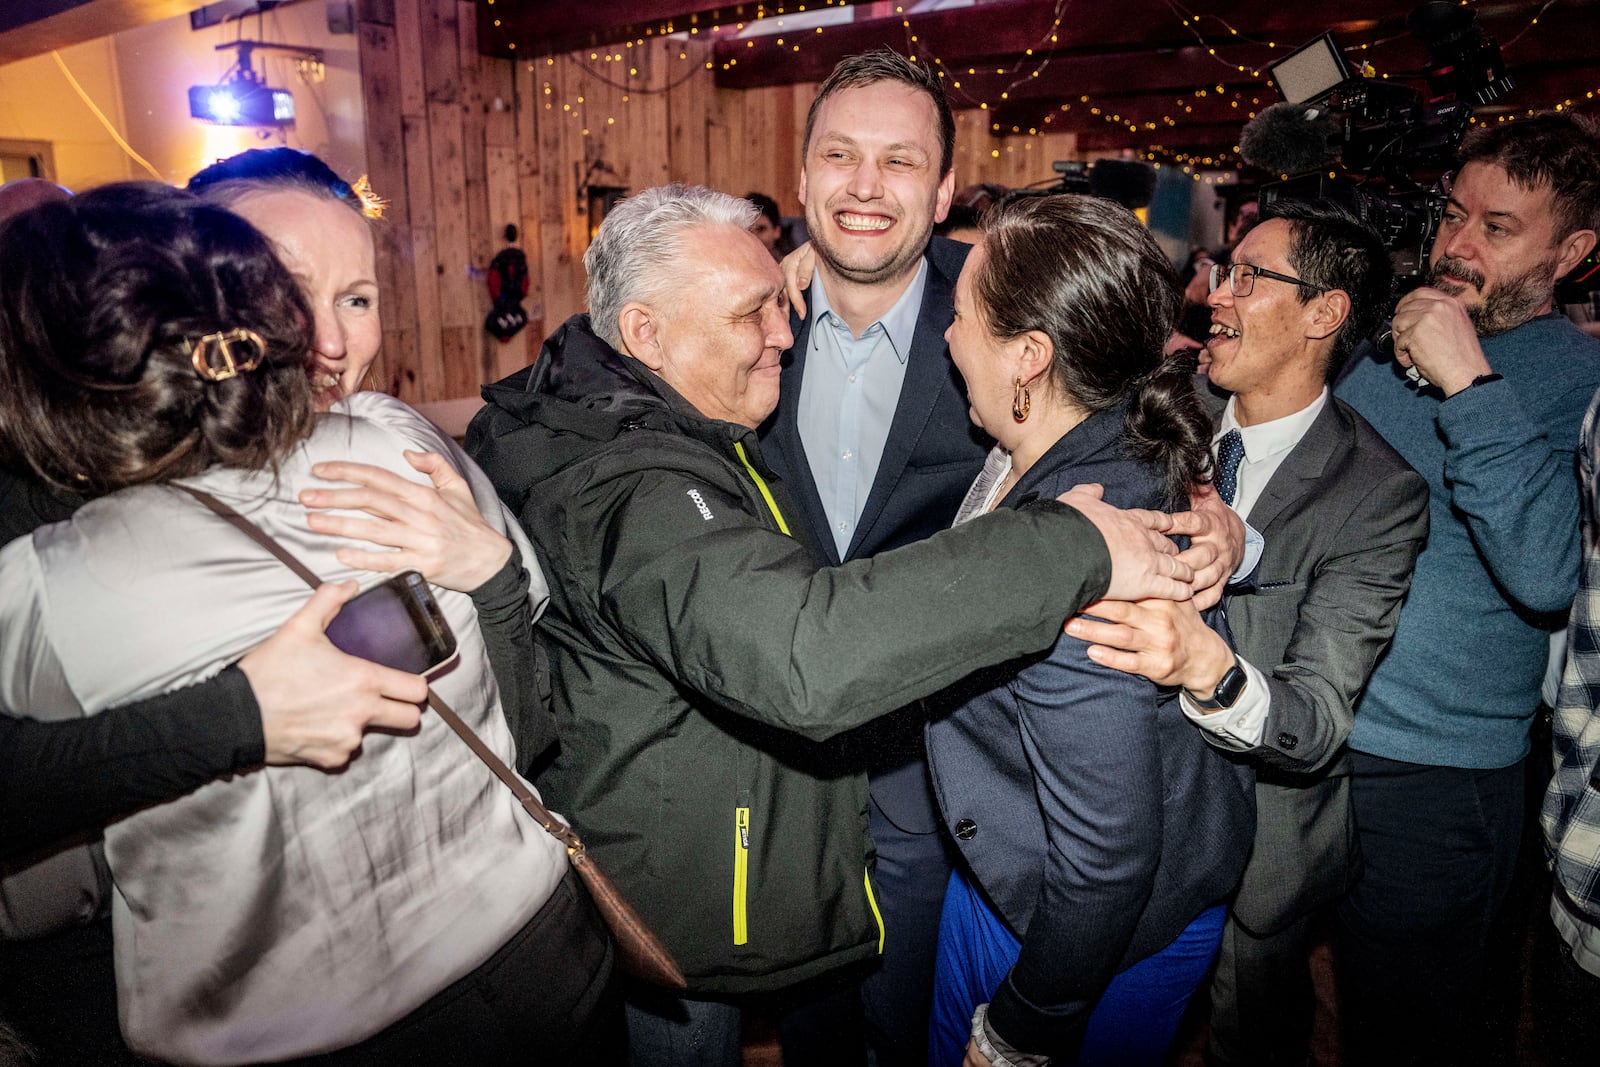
(405, 904)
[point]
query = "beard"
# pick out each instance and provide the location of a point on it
(1505, 305)
(854, 267)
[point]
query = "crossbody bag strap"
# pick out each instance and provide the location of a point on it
(518, 787)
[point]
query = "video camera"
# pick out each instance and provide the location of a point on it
(1130, 182)
(1395, 140)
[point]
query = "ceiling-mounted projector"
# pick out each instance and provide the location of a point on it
(242, 98)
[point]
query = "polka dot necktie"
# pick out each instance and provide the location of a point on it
(1230, 452)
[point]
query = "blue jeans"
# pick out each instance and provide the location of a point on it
(1131, 1026)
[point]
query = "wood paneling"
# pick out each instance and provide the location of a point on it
(457, 168)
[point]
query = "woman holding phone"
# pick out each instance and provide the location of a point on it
(148, 339)
(295, 699)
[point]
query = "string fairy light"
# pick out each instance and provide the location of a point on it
(1241, 52)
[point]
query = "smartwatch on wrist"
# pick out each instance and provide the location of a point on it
(1228, 690)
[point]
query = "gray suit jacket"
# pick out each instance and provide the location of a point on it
(1344, 518)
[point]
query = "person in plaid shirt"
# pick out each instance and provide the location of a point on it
(1567, 980)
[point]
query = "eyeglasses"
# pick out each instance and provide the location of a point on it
(1242, 278)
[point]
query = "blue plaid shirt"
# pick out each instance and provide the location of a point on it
(1571, 813)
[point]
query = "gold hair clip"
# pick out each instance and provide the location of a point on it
(213, 354)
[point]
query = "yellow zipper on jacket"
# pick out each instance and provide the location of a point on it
(877, 915)
(761, 484)
(741, 855)
(741, 874)
(741, 839)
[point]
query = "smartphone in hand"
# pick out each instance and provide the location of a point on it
(396, 623)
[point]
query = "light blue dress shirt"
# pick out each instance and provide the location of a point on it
(848, 396)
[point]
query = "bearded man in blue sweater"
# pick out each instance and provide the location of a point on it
(1484, 395)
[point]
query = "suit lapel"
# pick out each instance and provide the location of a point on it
(1329, 437)
(787, 453)
(928, 372)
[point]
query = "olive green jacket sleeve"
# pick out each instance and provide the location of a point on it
(701, 582)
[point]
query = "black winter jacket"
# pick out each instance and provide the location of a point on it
(700, 657)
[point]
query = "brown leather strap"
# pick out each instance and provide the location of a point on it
(518, 787)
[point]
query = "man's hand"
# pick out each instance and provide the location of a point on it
(1433, 333)
(797, 270)
(436, 530)
(1199, 287)
(1182, 342)
(1144, 562)
(316, 701)
(1163, 640)
(974, 1058)
(1214, 523)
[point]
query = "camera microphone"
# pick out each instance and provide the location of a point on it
(1290, 139)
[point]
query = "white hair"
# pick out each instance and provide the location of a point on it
(636, 256)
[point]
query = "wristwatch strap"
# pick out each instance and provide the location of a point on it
(1229, 688)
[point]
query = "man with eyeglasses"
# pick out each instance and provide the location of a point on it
(1491, 419)
(1344, 518)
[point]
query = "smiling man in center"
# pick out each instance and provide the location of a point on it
(872, 437)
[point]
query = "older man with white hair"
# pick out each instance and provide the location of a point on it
(699, 652)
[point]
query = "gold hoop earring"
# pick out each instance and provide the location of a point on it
(1021, 402)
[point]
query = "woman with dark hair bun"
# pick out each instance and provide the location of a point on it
(313, 711)
(1099, 833)
(150, 340)
(102, 389)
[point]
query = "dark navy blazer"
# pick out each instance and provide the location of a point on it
(1094, 815)
(931, 456)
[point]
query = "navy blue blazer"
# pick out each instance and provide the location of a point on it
(1093, 814)
(931, 456)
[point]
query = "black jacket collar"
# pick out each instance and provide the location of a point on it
(580, 384)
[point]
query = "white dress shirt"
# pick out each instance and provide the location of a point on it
(848, 396)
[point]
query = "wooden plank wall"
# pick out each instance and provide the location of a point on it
(462, 145)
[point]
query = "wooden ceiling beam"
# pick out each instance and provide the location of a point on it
(983, 47)
(34, 27)
(547, 27)
(1179, 72)
(1001, 33)
(1537, 86)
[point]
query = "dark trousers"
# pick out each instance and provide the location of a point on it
(1439, 846)
(912, 872)
(1262, 1000)
(670, 1031)
(546, 996)
(1566, 1004)
(824, 1026)
(59, 993)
